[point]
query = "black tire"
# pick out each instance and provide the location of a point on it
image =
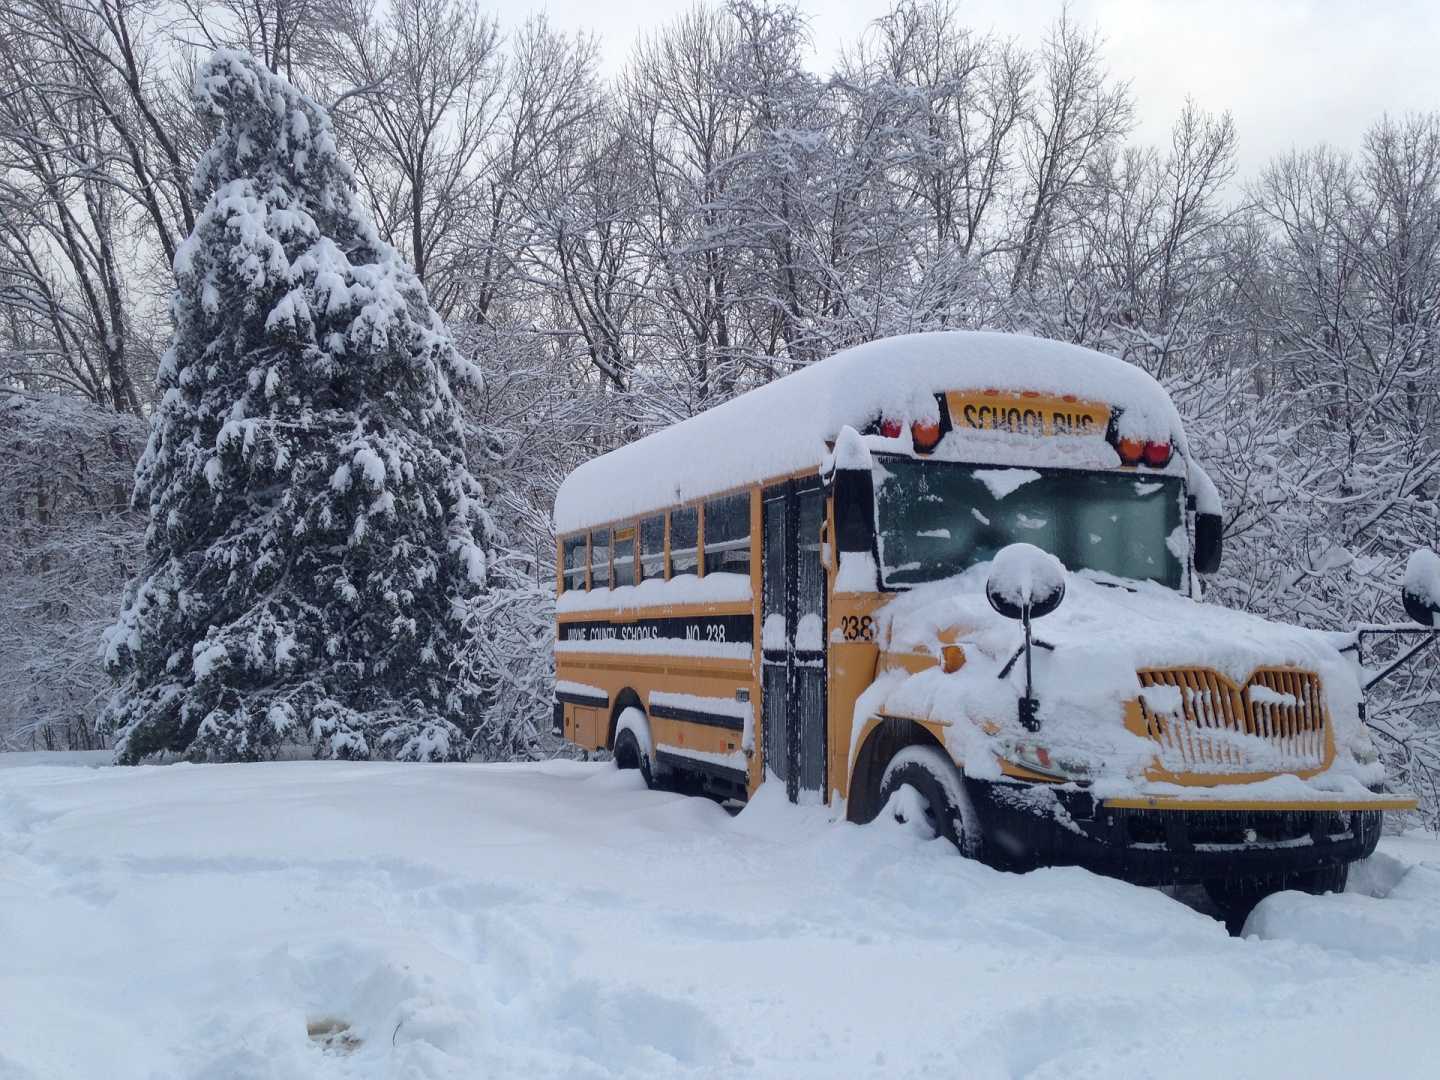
(1370, 823)
(1237, 897)
(931, 775)
(628, 755)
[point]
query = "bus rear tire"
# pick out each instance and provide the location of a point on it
(1237, 897)
(628, 755)
(936, 791)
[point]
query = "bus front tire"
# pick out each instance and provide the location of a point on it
(1237, 897)
(936, 791)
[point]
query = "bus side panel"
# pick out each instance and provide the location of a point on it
(719, 682)
(853, 656)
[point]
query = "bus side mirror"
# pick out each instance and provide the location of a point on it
(1421, 591)
(853, 492)
(1418, 609)
(1025, 583)
(1208, 542)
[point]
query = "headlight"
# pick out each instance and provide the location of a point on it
(1039, 759)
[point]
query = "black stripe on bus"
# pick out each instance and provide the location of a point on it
(695, 716)
(685, 761)
(589, 700)
(716, 629)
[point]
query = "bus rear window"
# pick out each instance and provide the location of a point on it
(600, 559)
(652, 547)
(727, 534)
(684, 535)
(574, 569)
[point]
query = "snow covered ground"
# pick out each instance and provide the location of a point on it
(561, 921)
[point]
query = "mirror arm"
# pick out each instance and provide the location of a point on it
(1428, 640)
(1039, 643)
(1029, 706)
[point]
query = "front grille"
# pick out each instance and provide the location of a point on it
(1276, 722)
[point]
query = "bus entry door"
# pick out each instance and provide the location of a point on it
(792, 708)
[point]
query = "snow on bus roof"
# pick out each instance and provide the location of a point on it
(784, 426)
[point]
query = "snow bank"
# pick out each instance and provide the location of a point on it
(784, 426)
(1394, 913)
(560, 921)
(90, 759)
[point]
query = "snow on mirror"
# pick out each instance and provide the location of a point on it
(1421, 592)
(1024, 577)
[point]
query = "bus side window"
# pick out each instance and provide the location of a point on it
(600, 559)
(574, 569)
(652, 547)
(727, 534)
(684, 541)
(625, 556)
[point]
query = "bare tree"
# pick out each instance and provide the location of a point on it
(974, 93)
(552, 101)
(106, 52)
(1077, 111)
(61, 232)
(420, 91)
(284, 34)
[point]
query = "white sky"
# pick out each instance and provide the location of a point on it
(1292, 72)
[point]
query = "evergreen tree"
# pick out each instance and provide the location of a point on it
(315, 533)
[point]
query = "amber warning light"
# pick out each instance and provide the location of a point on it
(1136, 451)
(1025, 412)
(925, 433)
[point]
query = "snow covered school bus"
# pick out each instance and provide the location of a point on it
(953, 577)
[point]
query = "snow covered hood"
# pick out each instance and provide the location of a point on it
(1103, 635)
(784, 426)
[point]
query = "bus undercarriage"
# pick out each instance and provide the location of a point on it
(1027, 826)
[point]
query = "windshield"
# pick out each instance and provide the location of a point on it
(937, 518)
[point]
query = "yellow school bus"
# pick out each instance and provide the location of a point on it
(954, 577)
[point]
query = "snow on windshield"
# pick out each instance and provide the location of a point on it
(1001, 482)
(937, 518)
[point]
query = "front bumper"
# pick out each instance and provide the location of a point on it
(1154, 841)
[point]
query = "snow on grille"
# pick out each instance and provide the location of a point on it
(1200, 719)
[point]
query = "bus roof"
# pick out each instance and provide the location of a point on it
(784, 426)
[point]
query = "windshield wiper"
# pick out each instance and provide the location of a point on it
(1112, 583)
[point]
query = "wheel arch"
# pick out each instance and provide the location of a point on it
(886, 738)
(625, 699)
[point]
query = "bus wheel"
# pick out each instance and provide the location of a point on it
(921, 785)
(1237, 897)
(628, 755)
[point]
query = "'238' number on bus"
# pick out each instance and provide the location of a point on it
(857, 627)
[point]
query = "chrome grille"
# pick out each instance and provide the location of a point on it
(1274, 723)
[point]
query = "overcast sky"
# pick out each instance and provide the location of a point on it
(1292, 72)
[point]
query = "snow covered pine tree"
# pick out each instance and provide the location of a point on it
(314, 529)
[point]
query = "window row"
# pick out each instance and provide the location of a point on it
(634, 552)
